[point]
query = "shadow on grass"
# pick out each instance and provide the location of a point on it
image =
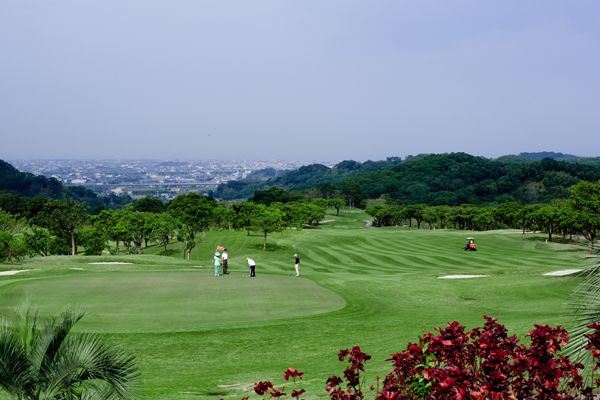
(270, 247)
(579, 245)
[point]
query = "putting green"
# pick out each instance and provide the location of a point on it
(171, 301)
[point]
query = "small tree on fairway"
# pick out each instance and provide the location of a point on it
(337, 204)
(548, 217)
(50, 362)
(267, 220)
(195, 213)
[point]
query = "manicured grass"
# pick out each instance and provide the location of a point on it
(171, 301)
(196, 336)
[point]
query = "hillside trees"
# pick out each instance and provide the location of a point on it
(585, 200)
(39, 241)
(164, 226)
(149, 204)
(63, 218)
(244, 215)
(110, 225)
(10, 226)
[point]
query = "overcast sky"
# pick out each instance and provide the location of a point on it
(297, 80)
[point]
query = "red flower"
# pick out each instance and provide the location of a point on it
(262, 387)
(297, 393)
(293, 373)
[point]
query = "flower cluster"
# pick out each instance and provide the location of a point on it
(267, 388)
(480, 364)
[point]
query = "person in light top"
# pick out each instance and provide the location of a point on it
(224, 258)
(217, 263)
(252, 266)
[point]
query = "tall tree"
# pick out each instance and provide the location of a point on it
(9, 226)
(195, 213)
(149, 204)
(38, 241)
(268, 220)
(585, 200)
(63, 218)
(548, 217)
(164, 225)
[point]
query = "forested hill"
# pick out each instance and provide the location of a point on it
(459, 178)
(26, 184)
(453, 179)
(302, 178)
(17, 187)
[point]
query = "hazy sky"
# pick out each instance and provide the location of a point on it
(299, 80)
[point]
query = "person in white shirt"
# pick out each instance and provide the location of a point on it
(252, 266)
(224, 258)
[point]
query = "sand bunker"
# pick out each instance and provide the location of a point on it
(462, 276)
(563, 272)
(109, 262)
(12, 272)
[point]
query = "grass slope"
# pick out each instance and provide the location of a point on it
(199, 337)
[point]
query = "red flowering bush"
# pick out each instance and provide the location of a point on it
(454, 364)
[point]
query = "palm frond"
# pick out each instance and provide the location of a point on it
(51, 337)
(584, 308)
(85, 363)
(16, 375)
(55, 363)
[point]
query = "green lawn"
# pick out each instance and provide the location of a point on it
(197, 336)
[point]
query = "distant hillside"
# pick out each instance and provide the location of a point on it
(459, 178)
(592, 161)
(452, 179)
(27, 184)
(15, 184)
(302, 178)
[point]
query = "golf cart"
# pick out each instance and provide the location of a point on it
(470, 246)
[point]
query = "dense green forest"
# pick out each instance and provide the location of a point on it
(302, 178)
(436, 179)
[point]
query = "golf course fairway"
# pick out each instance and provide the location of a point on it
(196, 336)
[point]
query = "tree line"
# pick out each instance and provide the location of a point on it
(577, 215)
(63, 226)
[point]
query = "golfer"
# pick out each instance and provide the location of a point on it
(297, 264)
(224, 258)
(252, 266)
(217, 261)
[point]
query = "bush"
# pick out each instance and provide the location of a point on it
(483, 363)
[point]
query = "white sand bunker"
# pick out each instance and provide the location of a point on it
(462, 276)
(13, 272)
(109, 262)
(563, 272)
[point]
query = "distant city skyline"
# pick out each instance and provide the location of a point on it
(283, 80)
